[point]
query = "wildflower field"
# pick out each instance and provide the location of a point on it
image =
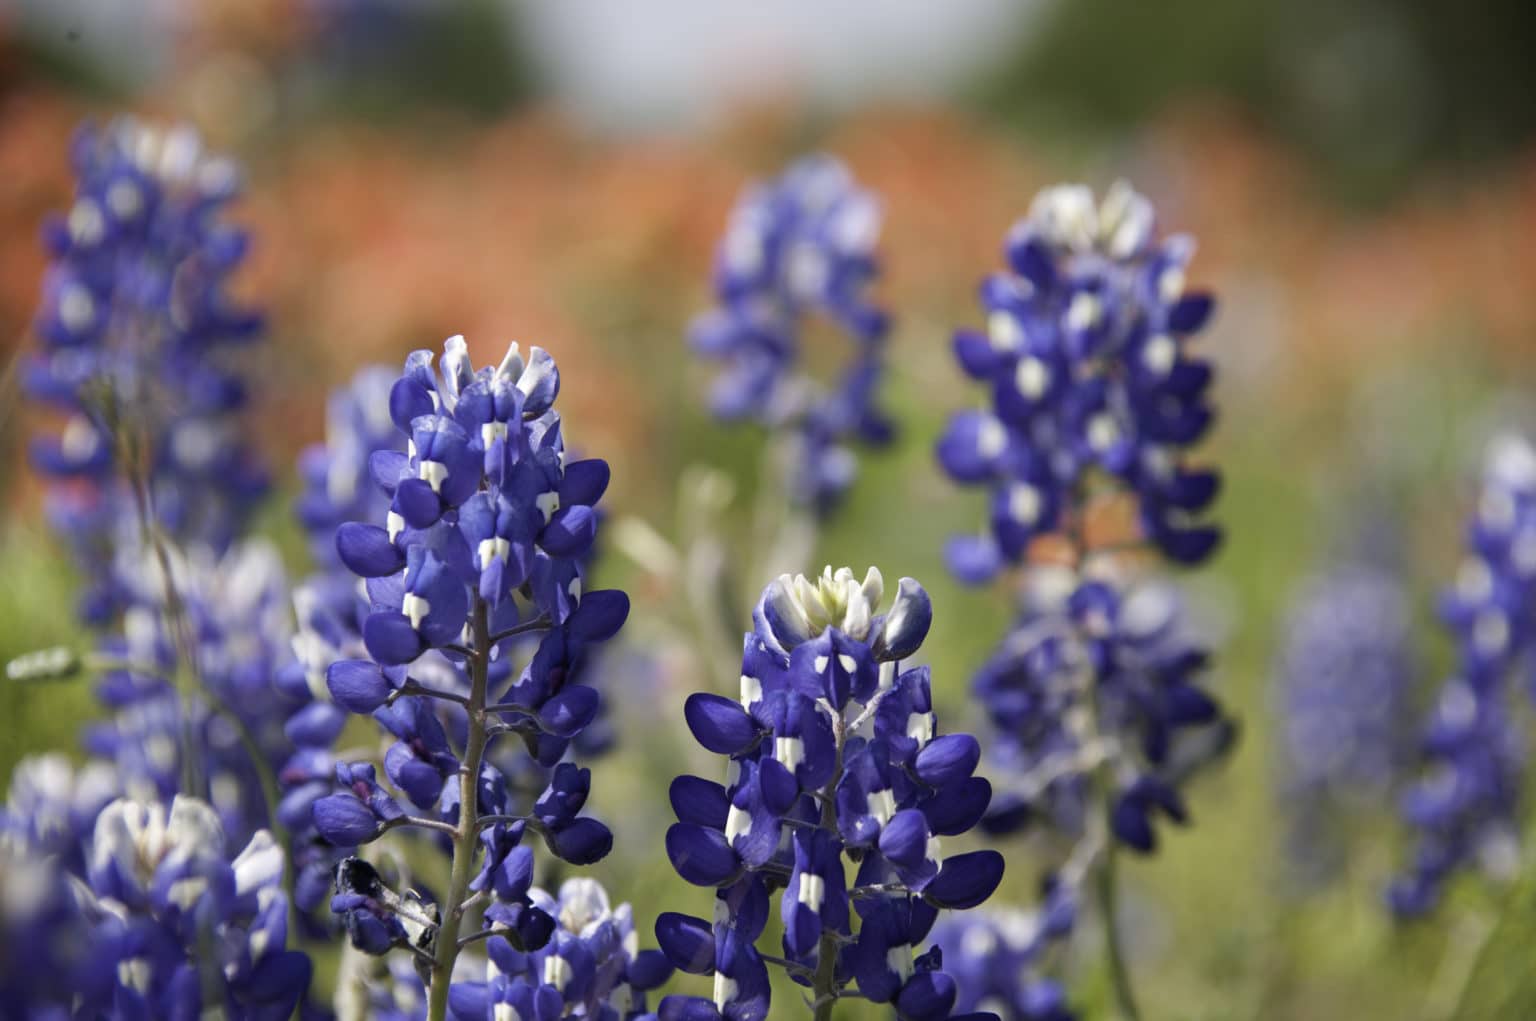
(911, 556)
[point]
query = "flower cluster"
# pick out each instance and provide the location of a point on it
(800, 245)
(337, 487)
(137, 332)
(992, 955)
(1464, 807)
(808, 790)
(1086, 355)
(1096, 691)
(51, 807)
(592, 965)
(152, 478)
(1344, 678)
(330, 606)
(1098, 676)
(480, 551)
(221, 622)
(160, 923)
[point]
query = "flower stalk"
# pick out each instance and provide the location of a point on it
(467, 837)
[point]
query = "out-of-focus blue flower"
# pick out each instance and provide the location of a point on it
(835, 756)
(1346, 670)
(589, 966)
(1098, 675)
(798, 248)
(51, 807)
(152, 476)
(136, 333)
(234, 611)
(152, 481)
(993, 956)
(335, 476)
(1086, 359)
(1344, 678)
(1464, 807)
(163, 922)
(1093, 397)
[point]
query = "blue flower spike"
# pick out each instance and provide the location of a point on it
(798, 249)
(834, 759)
(1093, 395)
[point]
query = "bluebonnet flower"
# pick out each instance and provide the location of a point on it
(591, 965)
(152, 483)
(337, 487)
(994, 954)
(1098, 676)
(1086, 357)
(225, 732)
(1344, 678)
(51, 807)
(162, 923)
(1095, 399)
(834, 756)
(799, 246)
(1464, 808)
(152, 478)
(137, 331)
(480, 549)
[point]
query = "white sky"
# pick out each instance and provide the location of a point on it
(649, 62)
(622, 61)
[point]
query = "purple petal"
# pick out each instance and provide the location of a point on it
(357, 685)
(367, 551)
(720, 724)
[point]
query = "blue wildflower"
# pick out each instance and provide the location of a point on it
(1344, 675)
(162, 922)
(476, 627)
(337, 484)
(802, 245)
(1098, 677)
(995, 957)
(590, 964)
(1087, 360)
(1464, 807)
(835, 756)
(1094, 398)
(136, 330)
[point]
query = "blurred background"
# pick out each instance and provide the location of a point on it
(1361, 176)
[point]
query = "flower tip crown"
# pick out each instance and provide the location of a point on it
(794, 610)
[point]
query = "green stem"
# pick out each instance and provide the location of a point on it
(468, 833)
(824, 982)
(1114, 951)
(1105, 883)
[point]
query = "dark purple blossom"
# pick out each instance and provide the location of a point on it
(1086, 360)
(800, 248)
(1464, 807)
(835, 756)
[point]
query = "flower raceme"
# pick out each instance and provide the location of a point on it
(798, 246)
(1085, 354)
(1094, 649)
(1344, 680)
(136, 329)
(992, 955)
(162, 923)
(1093, 396)
(477, 556)
(1465, 807)
(834, 758)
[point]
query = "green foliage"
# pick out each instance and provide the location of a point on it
(1374, 91)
